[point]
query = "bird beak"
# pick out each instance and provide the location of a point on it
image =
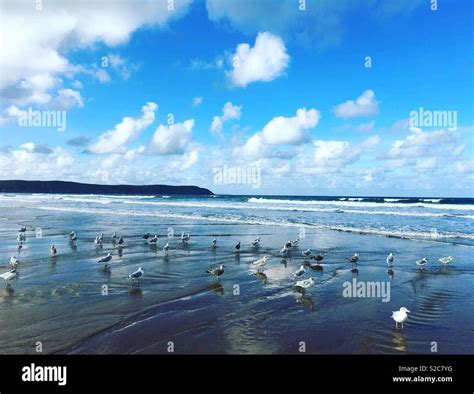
(408, 311)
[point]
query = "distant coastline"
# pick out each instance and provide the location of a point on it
(63, 187)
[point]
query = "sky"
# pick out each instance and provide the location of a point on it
(315, 97)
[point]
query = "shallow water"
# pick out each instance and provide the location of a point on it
(60, 303)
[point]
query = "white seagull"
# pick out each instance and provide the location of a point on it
(218, 271)
(421, 263)
(8, 277)
(295, 242)
(237, 247)
(300, 271)
(260, 263)
(355, 258)
(306, 253)
(446, 260)
(105, 259)
(52, 250)
(72, 237)
(214, 243)
(98, 239)
(137, 275)
(400, 316)
(256, 242)
(284, 251)
(305, 283)
(166, 248)
(114, 237)
(22, 229)
(13, 262)
(390, 259)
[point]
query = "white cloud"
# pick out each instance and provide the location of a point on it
(428, 164)
(45, 37)
(465, 167)
(172, 139)
(67, 98)
(229, 112)
(282, 131)
(290, 131)
(265, 61)
(115, 140)
(364, 105)
(197, 101)
(365, 127)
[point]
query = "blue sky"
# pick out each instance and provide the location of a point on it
(250, 85)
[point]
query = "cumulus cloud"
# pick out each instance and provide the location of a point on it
(265, 61)
(229, 112)
(364, 105)
(79, 141)
(282, 131)
(171, 139)
(115, 140)
(48, 35)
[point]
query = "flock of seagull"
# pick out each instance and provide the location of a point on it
(259, 265)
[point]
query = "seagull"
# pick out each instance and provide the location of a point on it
(260, 263)
(22, 229)
(105, 259)
(288, 245)
(114, 237)
(390, 259)
(305, 283)
(8, 277)
(21, 237)
(237, 247)
(52, 250)
(153, 240)
(306, 253)
(98, 240)
(400, 316)
(421, 263)
(355, 258)
(446, 260)
(214, 243)
(166, 248)
(284, 251)
(218, 271)
(318, 257)
(295, 242)
(136, 276)
(13, 262)
(120, 241)
(299, 272)
(146, 236)
(72, 237)
(185, 237)
(256, 242)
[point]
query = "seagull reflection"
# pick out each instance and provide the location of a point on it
(136, 291)
(261, 276)
(306, 301)
(218, 288)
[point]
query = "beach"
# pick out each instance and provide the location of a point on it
(61, 301)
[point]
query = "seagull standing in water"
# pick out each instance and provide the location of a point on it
(166, 248)
(355, 258)
(13, 262)
(22, 229)
(52, 250)
(98, 240)
(218, 271)
(136, 276)
(214, 243)
(305, 283)
(446, 260)
(260, 264)
(295, 242)
(114, 237)
(284, 251)
(185, 237)
(256, 242)
(105, 260)
(390, 259)
(21, 237)
(306, 253)
(8, 277)
(153, 240)
(300, 271)
(237, 247)
(421, 263)
(400, 316)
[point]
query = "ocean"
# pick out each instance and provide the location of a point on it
(71, 304)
